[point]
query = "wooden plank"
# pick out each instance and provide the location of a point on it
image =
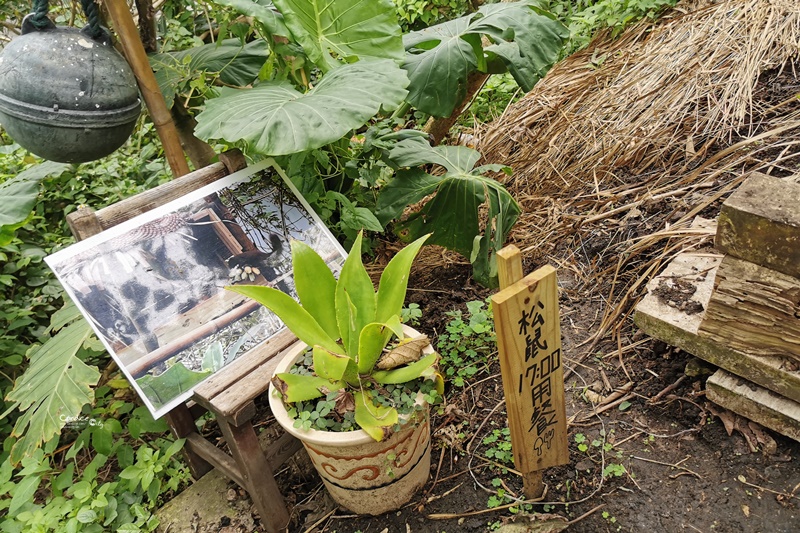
(679, 327)
(529, 341)
(181, 420)
(280, 450)
(83, 223)
(234, 403)
(754, 310)
(760, 223)
(756, 403)
(221, 460)
(509, 271)
(242, 366)
(145, 201)
(257, 475)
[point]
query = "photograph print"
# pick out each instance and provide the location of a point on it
(153, 288)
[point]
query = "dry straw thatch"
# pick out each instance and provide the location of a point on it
(619, 148)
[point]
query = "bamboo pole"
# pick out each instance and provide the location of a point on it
(137, 58)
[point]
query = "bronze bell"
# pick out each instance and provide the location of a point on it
(64, 95)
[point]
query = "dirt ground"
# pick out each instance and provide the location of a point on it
(677, 467)
(682, 471)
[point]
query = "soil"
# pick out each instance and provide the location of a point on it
(682, 470)
(659, 458)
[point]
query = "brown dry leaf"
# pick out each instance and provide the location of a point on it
(593, 397)
(727, 417)
(408, 351)
(538, 523)
(746, 510)
(768, 444)
(345, 403)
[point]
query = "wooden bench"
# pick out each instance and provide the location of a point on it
(229, 394)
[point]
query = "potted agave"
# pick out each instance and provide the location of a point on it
(356, 391)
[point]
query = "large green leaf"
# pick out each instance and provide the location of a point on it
(438, 61)
(236, 64)
(528, 42)
(19, 194)
(297, 319)
(56, 386)
(373, 340)
(452, 215)
(278, 120)
(263, 11)
(416, 151)
(329, 365)
(377, 421)
(301, 388)
(404, 374)
(355, 299)
(316, 286)
(331, 30)
(394, 281)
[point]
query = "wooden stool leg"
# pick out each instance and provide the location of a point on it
(257, 474)
(182, 423)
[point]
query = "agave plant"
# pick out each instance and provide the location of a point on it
(348, 325)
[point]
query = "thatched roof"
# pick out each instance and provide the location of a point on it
(622, 144)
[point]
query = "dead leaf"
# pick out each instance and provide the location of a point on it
(345, 402)
(408, 351)
(279, 384)
(593, 397)
(746, 510)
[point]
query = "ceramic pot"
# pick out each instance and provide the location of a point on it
(361, 474)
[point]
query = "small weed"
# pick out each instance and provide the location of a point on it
(500, 446)
(411, 314)
(467, 342)
(608, 517)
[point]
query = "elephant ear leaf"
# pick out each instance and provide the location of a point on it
(344, 29)
(527, 41)
(344, 99)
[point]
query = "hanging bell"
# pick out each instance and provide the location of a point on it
(66, 94)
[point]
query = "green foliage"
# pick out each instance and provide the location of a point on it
(585, 18)
(416, 13)
(57, 383)
(467, 343)
(453, 215)
(524, 40)
(499, 446)
(72, 490)
(276, 119)
(196, 69)
(347, 324)
(343, 30)
(411, 314)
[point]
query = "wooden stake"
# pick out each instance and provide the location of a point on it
(137, 59)
(529, 341)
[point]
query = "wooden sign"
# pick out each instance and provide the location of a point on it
(529, 341)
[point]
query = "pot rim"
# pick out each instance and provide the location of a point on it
(317, 436)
